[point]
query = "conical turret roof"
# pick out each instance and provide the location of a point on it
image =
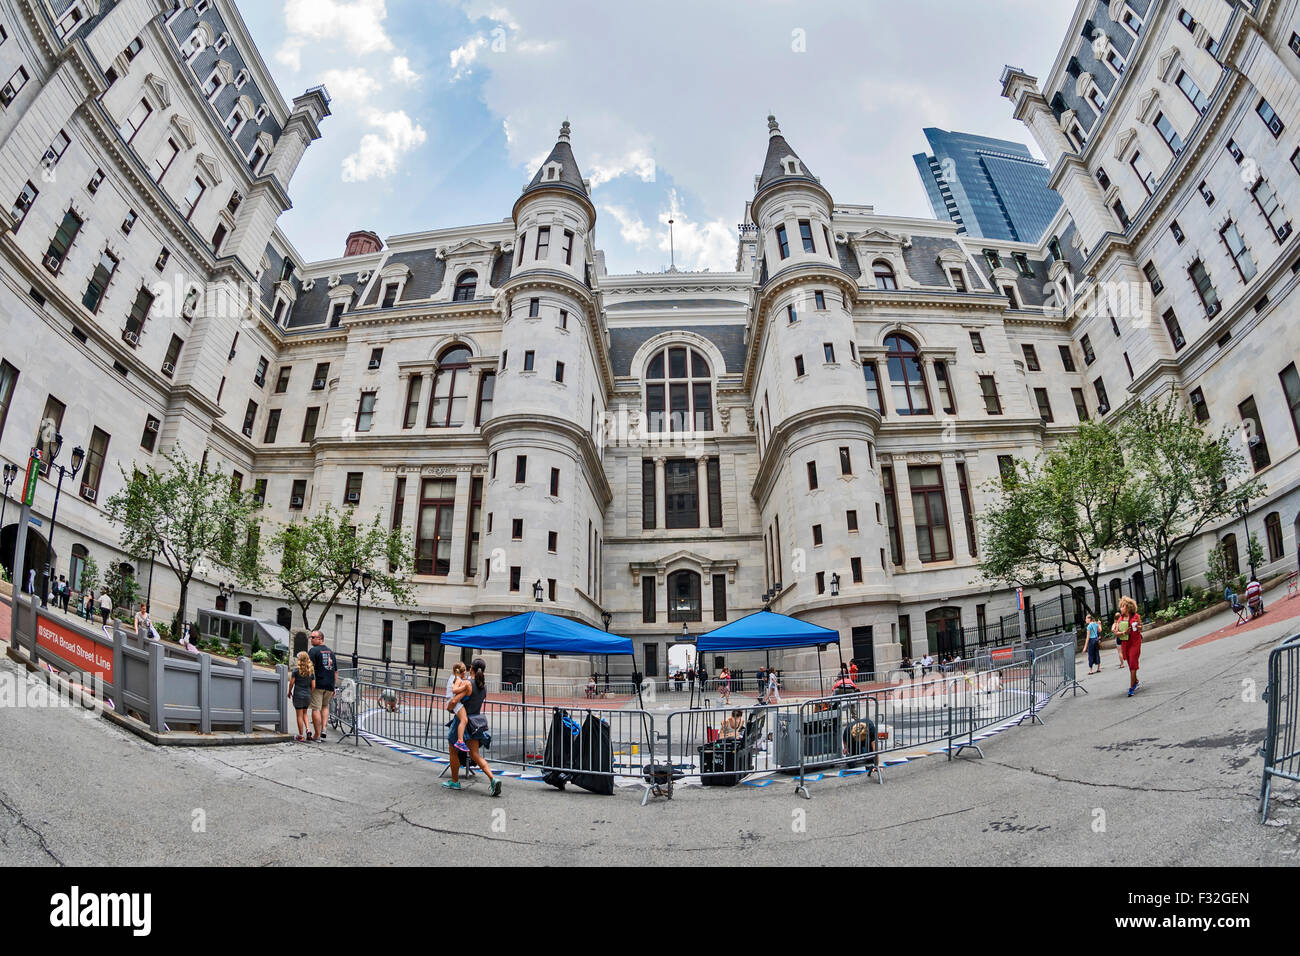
(777, 165)
(569, 176)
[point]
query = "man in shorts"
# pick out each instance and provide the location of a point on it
(322, 658)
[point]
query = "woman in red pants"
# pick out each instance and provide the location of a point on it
(1128, 615)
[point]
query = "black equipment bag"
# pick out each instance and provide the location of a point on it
(560, 752)
(595, 752)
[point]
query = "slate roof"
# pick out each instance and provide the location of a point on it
(730, 340)
(777, 150)
(570, 176)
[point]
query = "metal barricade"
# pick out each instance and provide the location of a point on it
(698, 743)
(1281, 750)
(609, 745)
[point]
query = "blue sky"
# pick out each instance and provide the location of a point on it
(443, 109)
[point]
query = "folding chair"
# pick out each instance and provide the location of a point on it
(1242, 613)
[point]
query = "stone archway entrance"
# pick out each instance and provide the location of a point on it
(38, 552)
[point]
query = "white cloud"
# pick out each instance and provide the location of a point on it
(358, 22)
(463, 57)
(637, 161)
(402, 73)
(632, 230)
(352, 84)
(699, 245)
(378, 154)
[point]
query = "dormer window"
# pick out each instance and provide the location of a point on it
(884, 274)
(791, 166)
(257, 159)
(223, 41)
(213, 85)
(466, 287)
(678, 391)
(234, 122)
(193, 45)
(551, 172)
(260, 116)
(240, 79)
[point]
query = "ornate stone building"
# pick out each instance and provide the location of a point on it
(820, 426)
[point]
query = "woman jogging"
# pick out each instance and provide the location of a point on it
(1131, 621)
(1094, 645)
(477, 731)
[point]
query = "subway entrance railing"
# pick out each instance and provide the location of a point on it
(601, 748)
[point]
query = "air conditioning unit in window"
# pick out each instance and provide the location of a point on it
(248, 431)
(374, 364)
(1103, 408)
(1213, 309)
(258, 499)
(88, 494)
(295, 502)
(354, 497)
(259, 381)
(151, 425)
(1284, 230)
(53, 262)
(130, 338)
(317, 384)
(1255, 440)
(168, 369)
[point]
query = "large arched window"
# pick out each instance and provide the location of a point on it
(77, 566)
(943, 630)
(466, 286)
(1231, 560)
(1273, 531)
(911, 397)
(678, 391)
(884, 274)
(450, 389)
(684, 596)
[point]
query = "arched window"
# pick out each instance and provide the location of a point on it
(466, 286)
(884, 274)
(684, 596)
(1273, 531)
(246, 608)
(943, 628)
(678, 391)
(911, 397)
(450, 389)
(1231, 560)
(77, 566)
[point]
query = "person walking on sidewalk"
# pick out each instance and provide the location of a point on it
(326, 667)
(477, 731)
(1094, 645)
(1131, 622)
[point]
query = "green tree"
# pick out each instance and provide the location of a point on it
(1216, 568)
(317, 554)
(1183, 481)
(1064, 509)
(1254, 551)
(121, 587)
(191, 517)
(89, 574)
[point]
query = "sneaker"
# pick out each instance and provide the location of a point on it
(310, 738)
(461, 747)
(322, 735)
(300, 738)
(1131, 689)
(495, 788)
(450, 785)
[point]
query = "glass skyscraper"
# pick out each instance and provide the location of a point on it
(991, 188)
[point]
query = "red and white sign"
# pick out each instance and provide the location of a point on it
(78, 652)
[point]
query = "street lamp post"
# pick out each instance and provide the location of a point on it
(538, 591)
(78, 457)
(361, 580)
(605, 618)
(10, 473)
(835, 584)
(1243, 509)
(224, 591)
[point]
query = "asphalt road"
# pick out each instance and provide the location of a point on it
(1169, 777)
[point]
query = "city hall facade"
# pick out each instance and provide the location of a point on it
(817, 430)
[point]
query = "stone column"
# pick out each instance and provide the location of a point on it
(661, 503)
(460, 529)
(702, 483)
(956, 514)
(906, 519)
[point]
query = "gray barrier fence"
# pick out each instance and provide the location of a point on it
(166, 685)
(1281, 750)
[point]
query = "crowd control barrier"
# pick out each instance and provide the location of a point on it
(1281, 749)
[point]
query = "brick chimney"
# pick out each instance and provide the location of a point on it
(362, 243)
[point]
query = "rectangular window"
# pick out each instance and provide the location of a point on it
(805, 233)
(1193, 93)
(1253, 433)
(192, 197)
(1103, 403)
(821, 582)
(1031, 358)
(272, 426)
(366, 412)
(1175, 330)
(647, 599)
(434, 529)
(250, 415)
(521, 469)
(390, 296)
(543, 243)
(134, 120)
(149, 438)
(930, 513)
(1080, 404)
(1145, 174)
(819, 300)
(968, 514)
(23, 204)
(1204, 287)
(99, 281)
(173, 356)
(873, 386)
(828, 351)
(1176, 231)
(352, 489)
(1267, 201)
(94, 468)
(529, 358)
(64, 236)
(989, 388)
(1089, 356)
(1236, 246)
(714, 477)
(851, 520)
(1121, 214)
(8, 380)
(648, 507)
(846, 461)
(958, 279)
(1044, 405)
(309, 424)
(1169, 134)
(568, 247)
(534, 308)
(136, 319)
(516, 529)
(977, 343)
(681, 494)
(1290, 388)
(817, 535)
(1067, 358)
(487, 384)
(1200, 410)
(812, 476)
(855, 568)
(1153, 277)
(719, 597)
(163, 159)
(891, 514)
(411, 415)
(798, 366)
(1270, 118)
(782, 242)
(559, 371)
(11, 89)
(298, 494)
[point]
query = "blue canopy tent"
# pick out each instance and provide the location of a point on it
(764, 630)
(541, 633)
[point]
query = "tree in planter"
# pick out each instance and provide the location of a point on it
(193, 518)
(1216, 569)
(121, 586)
(318, 553)
(1065, 509)
(1254, 551)
(89, 574)
(1183, 480)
